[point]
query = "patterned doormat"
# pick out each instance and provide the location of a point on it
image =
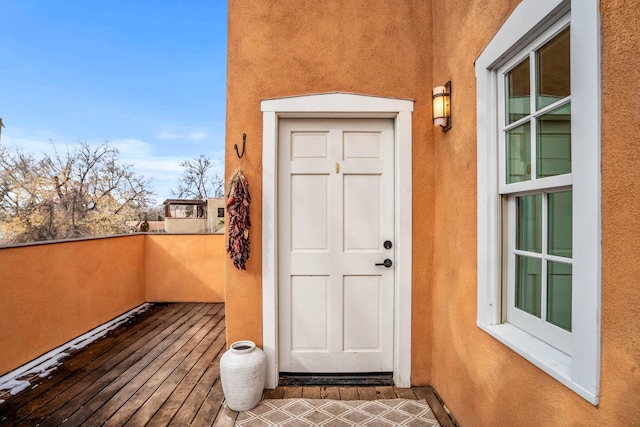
(338, 413)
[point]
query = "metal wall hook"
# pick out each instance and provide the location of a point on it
(244, 142)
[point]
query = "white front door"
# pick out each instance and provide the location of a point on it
(336, 207)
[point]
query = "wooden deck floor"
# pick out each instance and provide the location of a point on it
(160, 369)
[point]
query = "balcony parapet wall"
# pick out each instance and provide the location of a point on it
(52, 292)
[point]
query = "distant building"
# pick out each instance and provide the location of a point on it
(193, 216)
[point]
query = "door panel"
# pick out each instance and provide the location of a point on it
(309, 303)
(335, 189)
(362, 306)
(362, 206)
(309, 215)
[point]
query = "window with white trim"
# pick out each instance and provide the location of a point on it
(534, 114)
(539, 227)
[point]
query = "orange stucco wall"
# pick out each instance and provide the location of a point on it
(294, 47)
(184, 268)
(52, 293)
(403, 49)
(483, 382)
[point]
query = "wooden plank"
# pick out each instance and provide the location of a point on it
(405, 393)
(159, 396)
(162, 383)
(331, 392)
(117, 400)
(172, 404)
(212, 403)
(85, 361)
(210, 408)
(76, 383)
(292, 392)
(198, 396)
(196, 399)
(226, 417)
(118, 376)
(216, 308)
(428, 394)
(275, 393)
(385, 392)
(311, 392)
(138, 393)
(348, 393)
(367, 393)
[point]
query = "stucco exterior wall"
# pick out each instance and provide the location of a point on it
(293, 47)
(184, 268)
(52, 293)
(403, 49)
(483, 382)
(185, 225)
(620, 385)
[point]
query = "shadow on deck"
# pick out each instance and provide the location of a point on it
(161, 368)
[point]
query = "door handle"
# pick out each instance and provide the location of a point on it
(387, 263)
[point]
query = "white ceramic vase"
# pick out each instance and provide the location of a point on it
(242, 372)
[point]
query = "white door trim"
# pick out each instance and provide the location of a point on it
(329, 105)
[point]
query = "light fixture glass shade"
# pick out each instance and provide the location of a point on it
(442, 106)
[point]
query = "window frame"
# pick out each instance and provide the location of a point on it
(581, 371)
(529, 50)
(537, 326)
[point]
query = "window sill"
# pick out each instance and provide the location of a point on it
(549, 359)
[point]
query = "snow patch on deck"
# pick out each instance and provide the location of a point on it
(18, 379)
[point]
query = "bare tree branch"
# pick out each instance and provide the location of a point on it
(198, 180)
(84, 191)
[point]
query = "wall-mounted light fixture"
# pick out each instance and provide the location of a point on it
(441, 113)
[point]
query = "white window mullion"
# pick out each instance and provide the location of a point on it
(555, 258)
(511, 256)
(534, 157)
(532, 108)
(545, 224)
(551, 107)
(551, 182)
(502, 141)
(515, 124)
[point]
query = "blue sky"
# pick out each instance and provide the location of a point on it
(148, 76)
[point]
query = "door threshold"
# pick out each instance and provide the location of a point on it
(364, 379)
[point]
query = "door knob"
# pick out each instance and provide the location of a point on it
(387, 263)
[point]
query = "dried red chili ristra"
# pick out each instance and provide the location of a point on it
(238, 204)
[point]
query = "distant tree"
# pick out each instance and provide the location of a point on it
(198, 180)
(144, 227)
(85, 191)
(154, 213)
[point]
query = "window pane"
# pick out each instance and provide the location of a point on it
(519, 153)
(553, 70)
(528, 284)
(560, 224)
(518, 92)
(529, 223)
(559, 294)
(554, 142)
